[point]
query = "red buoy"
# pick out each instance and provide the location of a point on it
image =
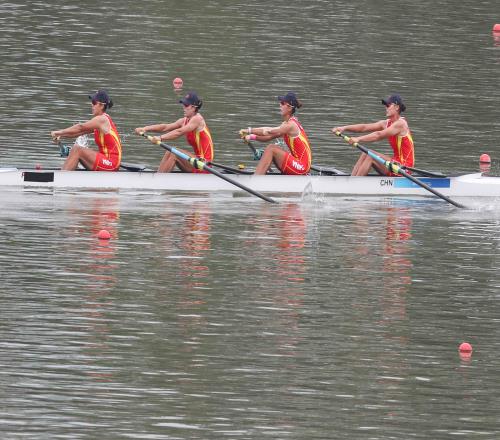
(484, 158)
(177, 82)
(465, 347)
(103, 235)
(496, 27)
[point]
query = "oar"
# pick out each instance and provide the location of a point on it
(328, 171)
(395, 168)
(200, 165)
(424, 172)
(228, 168)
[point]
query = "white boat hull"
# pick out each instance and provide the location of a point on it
(469, 185)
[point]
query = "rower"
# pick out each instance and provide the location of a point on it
(193, 126)
(106, 137)
(395, 129)
(298, 160)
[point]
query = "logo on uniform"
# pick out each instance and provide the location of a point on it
(298, 166)
(107, 162)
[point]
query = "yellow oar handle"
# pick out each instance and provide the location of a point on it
(346, 138)
(150, 138)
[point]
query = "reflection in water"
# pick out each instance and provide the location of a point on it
(496, 38)
(100, 271)
(186, 247)
(397, 264)
(195, 233)
(284, 266)
(485, 168)
(391, 247)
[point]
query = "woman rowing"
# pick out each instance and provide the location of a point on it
(193, 126)
(394, 128)
(106, 137)
(298, 160)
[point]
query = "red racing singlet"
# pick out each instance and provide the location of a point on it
(110, 148)
(300, 149)
(402, 147)
(201, 141)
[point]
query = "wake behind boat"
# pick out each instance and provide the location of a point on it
(467, 185)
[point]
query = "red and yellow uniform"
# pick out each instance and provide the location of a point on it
(298, 161)
(110, 149)
(402, 147)
(202, 144)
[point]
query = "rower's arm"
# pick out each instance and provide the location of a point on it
(193, 124)
(78, 129)
(264, 134)
(160, 128)
(361, 128)
(384, 133)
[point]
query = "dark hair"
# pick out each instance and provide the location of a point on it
(108, 104)
(102, 96)
(297, 105)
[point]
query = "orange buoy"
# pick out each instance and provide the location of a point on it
(496, 27)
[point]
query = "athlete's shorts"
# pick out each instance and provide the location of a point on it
(293, 166)
(103, 163)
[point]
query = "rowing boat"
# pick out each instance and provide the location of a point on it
(468, 185)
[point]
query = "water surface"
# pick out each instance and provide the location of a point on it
(220, 316)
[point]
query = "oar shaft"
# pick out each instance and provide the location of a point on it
(395, 168)
(201, 165)
(423, 172)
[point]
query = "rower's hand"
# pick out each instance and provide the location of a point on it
(243, 133)
(339, 129)
(155, 139)
(55, 136)
(353, 140)
(139, 130)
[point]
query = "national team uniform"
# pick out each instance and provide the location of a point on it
(298, 161)
(202, 144)
(109, 155)
(403, 149)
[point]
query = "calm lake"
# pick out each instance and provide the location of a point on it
(224, 317)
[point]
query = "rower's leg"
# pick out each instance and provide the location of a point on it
(167, 163)
(183, 165)
(381, 169)
(86, 156)
(360, 160)
(272, 153)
